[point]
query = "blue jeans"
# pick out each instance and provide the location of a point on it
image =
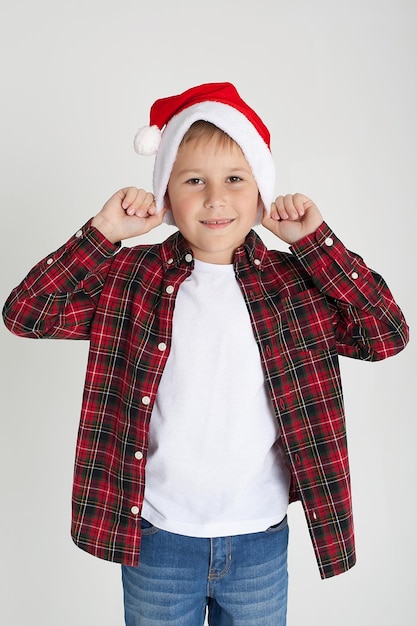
(240, 580)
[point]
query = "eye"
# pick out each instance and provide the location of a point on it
(234, 179)
(195, 181)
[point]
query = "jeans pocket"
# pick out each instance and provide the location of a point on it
(147, 528)
(277, 527)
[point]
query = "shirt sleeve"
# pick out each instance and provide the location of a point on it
(369, 325)
(58, 297)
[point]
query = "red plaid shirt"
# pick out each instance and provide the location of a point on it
(306, 308)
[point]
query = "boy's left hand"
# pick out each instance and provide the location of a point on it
(292, 217)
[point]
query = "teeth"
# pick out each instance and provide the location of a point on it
(217, 221)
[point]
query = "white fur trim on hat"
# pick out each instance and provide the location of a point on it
(237, 126)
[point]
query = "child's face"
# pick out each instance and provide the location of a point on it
(213, 197)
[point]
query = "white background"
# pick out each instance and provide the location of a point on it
(336, 84)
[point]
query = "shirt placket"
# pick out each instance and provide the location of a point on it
(161, 346)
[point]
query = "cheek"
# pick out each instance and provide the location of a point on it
(179, 211)
(255, 201)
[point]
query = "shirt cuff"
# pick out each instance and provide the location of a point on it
(91, 247)
(336, 270)
(315, 249)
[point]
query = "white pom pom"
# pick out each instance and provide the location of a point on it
(147, 140)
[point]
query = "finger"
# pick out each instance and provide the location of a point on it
(136, 202)
(130, 194)
(143, 211)
(273, 224)
(273, 212)
(280, 208)
(152, 209)
(140, 204)
(301, 203)
(290, 207)
(144, 202)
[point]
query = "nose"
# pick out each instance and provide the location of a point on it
(215, 196)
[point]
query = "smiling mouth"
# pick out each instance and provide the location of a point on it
(217, 222)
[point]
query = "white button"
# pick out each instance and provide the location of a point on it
(170, 289)
(162, 346)
(49, 261)
(138, 455)
(314, 515)
(354, 275)
(328, 241)
(79, 234)
(257, 262)
(146, 400)
(188, 258)
(170, 261)
(135, 510)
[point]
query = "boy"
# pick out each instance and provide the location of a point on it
(214, 362)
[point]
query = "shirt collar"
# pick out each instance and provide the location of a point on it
(176, 251)
(252, 252)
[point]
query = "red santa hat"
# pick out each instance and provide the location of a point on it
(221, 105)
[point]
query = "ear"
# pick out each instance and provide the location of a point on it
(169, 216)
(167, 202)
(259, 211)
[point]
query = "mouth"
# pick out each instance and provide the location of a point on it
(217, 223)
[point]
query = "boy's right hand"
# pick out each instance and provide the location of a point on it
(130, 212)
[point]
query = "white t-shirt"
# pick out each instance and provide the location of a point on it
(215, 465)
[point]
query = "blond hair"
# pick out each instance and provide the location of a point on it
(207, 131)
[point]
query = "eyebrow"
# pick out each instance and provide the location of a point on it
(197, 170)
